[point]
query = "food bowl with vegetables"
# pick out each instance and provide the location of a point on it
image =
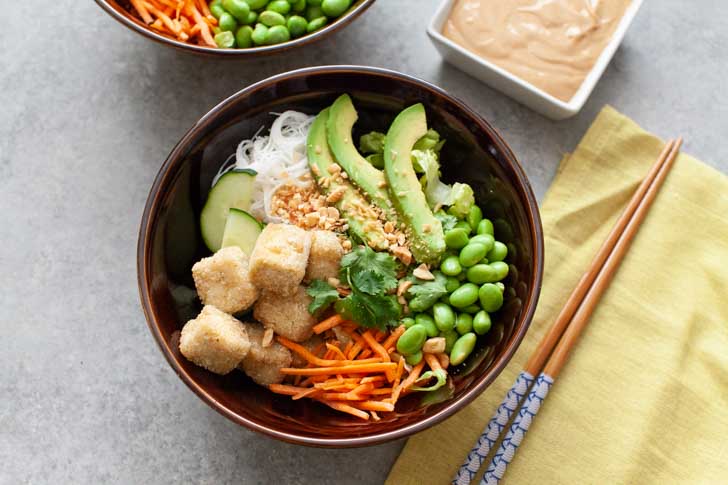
(235, 27)
(340, 256)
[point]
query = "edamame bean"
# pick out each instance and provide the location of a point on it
(485, 239)
(217, 9)
(464, 225)
(227, 23)
(486, 227)
(464, 323)
(450, 337)
(271, 19)
(413, 359)
(444, 316)
(316, 24)
(316, 3)
(258, 34)
(498, 253)
(238, 9)
(257, 4)
(252, 18)
(462, 348)
(501, 270)
(501, 286)
(451, 284)
(482, 273)
(225, 40)
(299, 6)
(297, 26)
(277, 35)
(428, 323)
(491, 297)
(411, 340)
(472, 309)
(475, 215)
(280, 6)
(464, 296)
(334, 8)
(407, 322)
(456, 238)
(471, 254)
(481, 322)
(313, 12)
(450, 266)
(244, 36)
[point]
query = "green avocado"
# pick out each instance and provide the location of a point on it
(370, 180)
(427, 241)
(360, 215)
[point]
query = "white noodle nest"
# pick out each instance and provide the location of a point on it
(279, 159)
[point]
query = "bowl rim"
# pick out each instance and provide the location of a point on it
(140, 28)
(161, 186)
(588, 84)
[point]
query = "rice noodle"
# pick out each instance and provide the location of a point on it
(279, 159)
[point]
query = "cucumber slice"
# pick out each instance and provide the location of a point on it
(232, 190)
(241, 230)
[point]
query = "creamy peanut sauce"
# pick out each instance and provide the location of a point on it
(552, 44)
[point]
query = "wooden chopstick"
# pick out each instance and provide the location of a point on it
(538, 359)
(578, 322)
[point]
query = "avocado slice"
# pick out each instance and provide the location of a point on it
(359, 213)
(427, 241)
(370, 180)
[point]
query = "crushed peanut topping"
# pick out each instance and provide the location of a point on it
(306, 207)
(404, 285)
(423, 272)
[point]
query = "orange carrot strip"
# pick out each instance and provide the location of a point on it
(398, 373)
(286, 389)
(355, 349)
(411, 378)
(327, 324)
(376, 346)
(381, 391)
(191, 10)
(342, 396)
(375, 406)
(162, 16)
(306, 393)
(204, 8)
(308, 356)
(393, 337)
(336, 351)
(365, 354)
(348, 347)
(142, 11)
(346, 409)
(375, 416)
(372, 379)
(433, 362)
(360, 368)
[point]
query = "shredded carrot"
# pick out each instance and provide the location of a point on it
(376, 346)
(345, 408)
(327, 324)
(306, 393)
(345, 369)
(375, 406)
(336, 351)
(433, 361)
(285, 389)
(142, 11)
(390, 342)
(308, 356)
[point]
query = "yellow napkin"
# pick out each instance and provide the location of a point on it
(644, 397)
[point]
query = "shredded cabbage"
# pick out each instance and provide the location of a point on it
(462, 200)
(279, 159)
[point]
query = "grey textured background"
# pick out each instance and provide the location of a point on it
(89, 112)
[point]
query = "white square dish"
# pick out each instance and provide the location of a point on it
(515, 87)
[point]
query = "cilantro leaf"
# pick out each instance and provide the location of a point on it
(448, 221)
(376, 271)
(426, 294)
(323, 295)
(369, 311)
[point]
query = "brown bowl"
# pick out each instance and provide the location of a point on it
(121, 11)
(170, 243)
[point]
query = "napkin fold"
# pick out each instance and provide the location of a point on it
(644, 397)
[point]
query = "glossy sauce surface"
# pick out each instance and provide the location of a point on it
(552, 44)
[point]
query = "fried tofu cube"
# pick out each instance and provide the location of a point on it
(325, 257)
(286, 315)
(279, 259)
(214, 340)
(223, 280)
(263, 364)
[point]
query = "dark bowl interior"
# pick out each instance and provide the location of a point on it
(170, 243)
(121, 11)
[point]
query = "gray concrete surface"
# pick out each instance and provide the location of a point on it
(89, 111)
